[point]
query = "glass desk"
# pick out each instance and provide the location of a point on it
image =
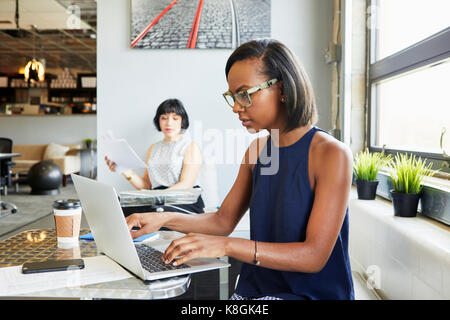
(39, 245)
(140, 198)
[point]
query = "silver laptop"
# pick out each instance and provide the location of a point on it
(106, 220)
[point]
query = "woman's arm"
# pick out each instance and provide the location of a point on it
(332, 171)
(140, 183)
(192, 163)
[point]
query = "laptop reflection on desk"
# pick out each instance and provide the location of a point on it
(104, 215)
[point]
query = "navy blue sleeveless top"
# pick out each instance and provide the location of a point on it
(280, 206)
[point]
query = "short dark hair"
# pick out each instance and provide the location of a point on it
(280, 63)
(168, 106)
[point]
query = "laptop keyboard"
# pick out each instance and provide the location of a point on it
(151, 260)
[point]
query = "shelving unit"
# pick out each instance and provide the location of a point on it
(69, 96)
(62, 95)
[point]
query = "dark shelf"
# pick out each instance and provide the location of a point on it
(8, 95)
(73, 89)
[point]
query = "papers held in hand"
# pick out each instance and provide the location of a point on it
(121, 152)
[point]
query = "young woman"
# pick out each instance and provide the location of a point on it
(173, 163)
(298, 214)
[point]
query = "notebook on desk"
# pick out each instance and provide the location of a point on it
(104, 215)
(145, 237)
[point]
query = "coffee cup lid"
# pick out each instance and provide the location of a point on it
(67, 204)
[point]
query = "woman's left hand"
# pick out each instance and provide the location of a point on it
(195, 245)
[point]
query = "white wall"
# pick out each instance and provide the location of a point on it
(132, 82)
(46, 129)
(405, 259)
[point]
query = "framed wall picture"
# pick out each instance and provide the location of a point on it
(198, 24)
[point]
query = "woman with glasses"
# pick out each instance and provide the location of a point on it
(296, 183)
(173, 163)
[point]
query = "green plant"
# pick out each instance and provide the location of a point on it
(367, 165)
(408, 172)
(88, 142)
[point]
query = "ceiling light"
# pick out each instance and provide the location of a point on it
(34, 70)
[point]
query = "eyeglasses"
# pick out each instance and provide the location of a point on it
(243, 97)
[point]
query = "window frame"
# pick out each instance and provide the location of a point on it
(428, 52)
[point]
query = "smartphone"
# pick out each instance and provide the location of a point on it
(52, 265)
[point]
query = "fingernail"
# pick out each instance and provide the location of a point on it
(175, 263)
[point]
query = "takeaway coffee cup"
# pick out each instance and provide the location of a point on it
(67, 214)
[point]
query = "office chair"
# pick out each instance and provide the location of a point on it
(6, 146)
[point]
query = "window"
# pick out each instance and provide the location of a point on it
(401, 23)
(409, 78)
(411, 109)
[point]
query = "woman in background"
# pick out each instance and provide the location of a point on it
(173, 163)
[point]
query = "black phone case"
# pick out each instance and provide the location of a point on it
(52, 265)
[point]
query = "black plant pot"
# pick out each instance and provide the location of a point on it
(367, 190)
(405, 204)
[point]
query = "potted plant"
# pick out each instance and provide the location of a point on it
(366, 168)
(88, 142)
(407, 173)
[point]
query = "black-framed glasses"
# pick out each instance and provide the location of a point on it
(243, 97)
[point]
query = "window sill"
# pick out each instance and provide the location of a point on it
(438, 183)
(412, 255)
(435, 202)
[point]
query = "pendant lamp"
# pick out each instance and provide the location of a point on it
(34, 70)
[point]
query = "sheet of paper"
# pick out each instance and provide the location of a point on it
(97, 269)
(119, 151)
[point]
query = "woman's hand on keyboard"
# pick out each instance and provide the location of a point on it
(147, 222)
(195, 245)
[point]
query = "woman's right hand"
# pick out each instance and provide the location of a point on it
(115, 167)
(111, 164)
(148, 222)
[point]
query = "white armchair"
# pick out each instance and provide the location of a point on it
(33, 153)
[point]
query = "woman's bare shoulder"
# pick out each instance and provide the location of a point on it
(149, 150)
(194, 145)
(327, 150)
